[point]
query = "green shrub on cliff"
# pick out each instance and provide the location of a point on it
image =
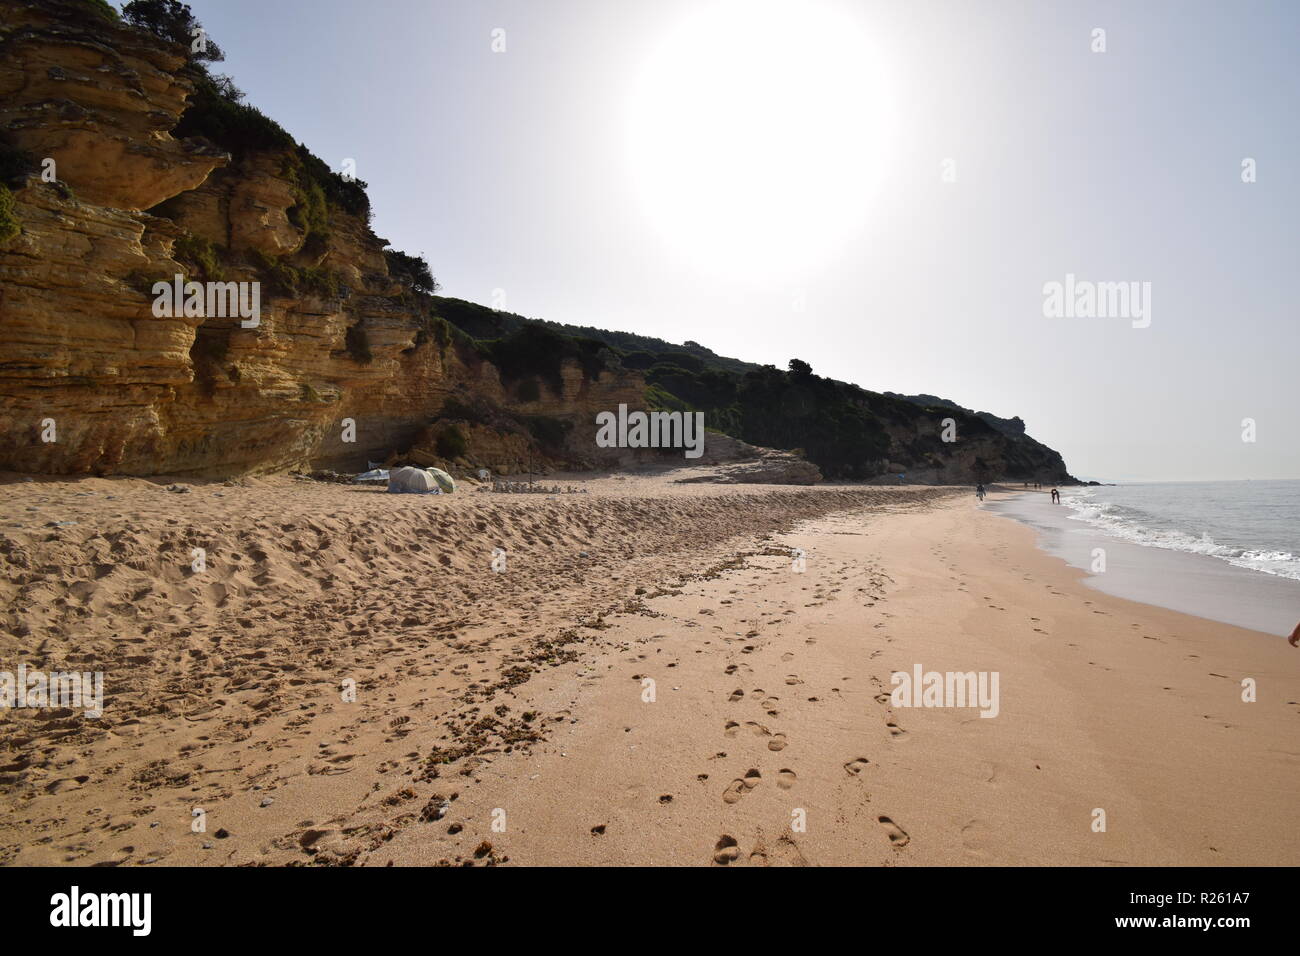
(535, 350)
(102, 9)
(310, 213)
(766, 406)
(284, 278)
(9, 226)
(171, 20)
(217, 113)
(550, 433)
(413, 271)
(451, 443)
(201, 254)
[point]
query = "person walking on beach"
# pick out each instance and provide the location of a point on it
(1294, 639)
(1056, 497)
(979, 491)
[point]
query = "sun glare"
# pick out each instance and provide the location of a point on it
(756, 136)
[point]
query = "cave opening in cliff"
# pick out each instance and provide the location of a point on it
(357, 344)
(208, 352)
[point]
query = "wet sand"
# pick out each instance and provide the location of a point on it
(506, 717)
(1191, 583)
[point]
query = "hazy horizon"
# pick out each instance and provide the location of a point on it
(882, 190)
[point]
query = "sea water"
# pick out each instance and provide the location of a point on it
(1225, 550)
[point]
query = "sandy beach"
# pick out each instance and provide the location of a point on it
(661, 673)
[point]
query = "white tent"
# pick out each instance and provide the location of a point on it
(415, 481)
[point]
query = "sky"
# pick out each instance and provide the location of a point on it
(883, 190)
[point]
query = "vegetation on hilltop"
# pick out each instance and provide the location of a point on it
(1014, 426)
(847, 431)
(102, 9)
(218, 115)
(485, 323)
(413, 271)
(534, 352)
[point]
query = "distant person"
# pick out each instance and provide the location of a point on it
(1056, 497)
(1295, 637)
(979, 491)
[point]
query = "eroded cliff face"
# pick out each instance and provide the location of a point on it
(83, 357)
(94, 381)
(100, 99)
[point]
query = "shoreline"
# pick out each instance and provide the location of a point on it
(1200, 585)
(523, 692)
(1106, 704)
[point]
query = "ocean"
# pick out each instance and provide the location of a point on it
(1249, 524)
(1225, 550)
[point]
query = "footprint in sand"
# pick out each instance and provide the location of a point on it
(785, 778)
(738, 788)
(777, 743)
(785, 852)
(855, 767)
(736, 695)
(977, 836)
(725, 850)
(894, 729)
(730, 728)
(897, 836)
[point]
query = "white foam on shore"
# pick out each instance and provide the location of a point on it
(1111, 519)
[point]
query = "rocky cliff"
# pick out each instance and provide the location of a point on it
(86, 362)
(124, 163)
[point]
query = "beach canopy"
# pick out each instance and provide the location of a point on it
(446, 483)
(412, 481)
